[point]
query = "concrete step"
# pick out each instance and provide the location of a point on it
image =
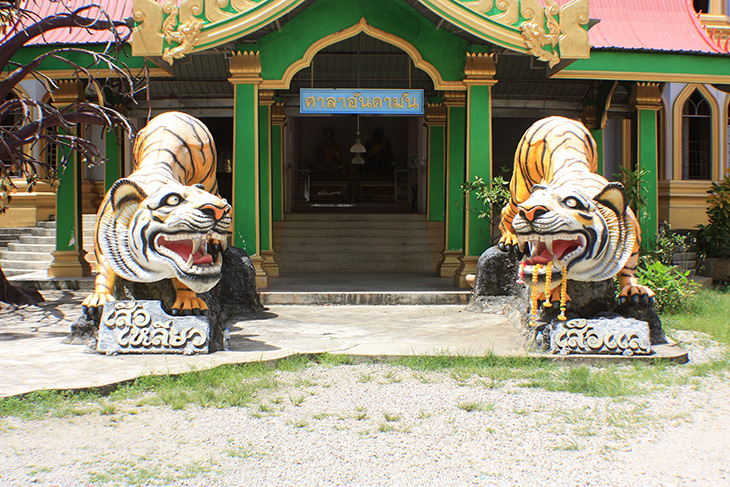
(24, 247)
(6, 255)
(363, 298)
(38, 239)
(29, 265)
(14, 231)
(43, 232)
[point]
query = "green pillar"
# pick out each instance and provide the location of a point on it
(477, 233)
(114, 155)
(266, 102)
(278, 120)
(436, 123)
(245, 70)
(598, 137)
(646, 99)
(69, 256)
(455, 171)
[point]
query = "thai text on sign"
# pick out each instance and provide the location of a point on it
(389, 102)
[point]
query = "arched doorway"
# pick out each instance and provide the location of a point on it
(325, 175)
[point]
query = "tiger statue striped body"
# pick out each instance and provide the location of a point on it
(164, 220)
(562, 212)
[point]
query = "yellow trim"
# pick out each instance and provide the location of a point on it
(362, 26)
(715, 114)
(639, 76)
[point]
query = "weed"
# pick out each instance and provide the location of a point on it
(297, 401)
(570, 445)
(422, 414)
(365, 378)
(333, 360)
(475, 406)
(391, 417)
(385, 427)
(108, 409)
(392, 377)
(301, 423)
(320, 416)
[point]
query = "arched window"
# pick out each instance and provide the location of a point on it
(696, 138)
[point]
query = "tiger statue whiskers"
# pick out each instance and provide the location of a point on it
(562, 212)
(164, 220)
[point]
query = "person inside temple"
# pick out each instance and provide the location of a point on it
(379, 155)
(329, 155)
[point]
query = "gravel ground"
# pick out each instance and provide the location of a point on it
(378, 424)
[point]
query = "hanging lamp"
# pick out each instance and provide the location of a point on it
(357, 148)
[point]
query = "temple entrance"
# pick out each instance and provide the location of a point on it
(329, 177)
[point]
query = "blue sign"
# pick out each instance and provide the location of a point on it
(387, 102)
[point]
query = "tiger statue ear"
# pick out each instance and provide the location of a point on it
(613, 195)
(125, 192)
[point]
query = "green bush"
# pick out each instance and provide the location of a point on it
(713, 239)
(674, 290)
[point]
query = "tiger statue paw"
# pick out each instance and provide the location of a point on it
(508, 242)
(94, 303)
(636, 294)
(187, 302)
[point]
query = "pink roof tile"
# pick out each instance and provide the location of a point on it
(658, 25)
(116, 9)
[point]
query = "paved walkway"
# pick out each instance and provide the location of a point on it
(34, 357)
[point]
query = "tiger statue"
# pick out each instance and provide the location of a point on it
(564, 214)
(164, 220)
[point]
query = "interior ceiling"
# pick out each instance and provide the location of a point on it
(366, 62)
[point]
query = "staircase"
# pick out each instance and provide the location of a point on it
(31, 251)
(358, 243)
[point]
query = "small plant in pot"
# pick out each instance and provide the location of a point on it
(713, 239)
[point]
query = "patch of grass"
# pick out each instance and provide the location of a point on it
(300, 423)
(385, 427)
(365, 378)
(333, 360)
(297, 400)
(570, 445)
(107, 408)
(422, 414)
(391, 417)
(713, 308)
(392, 377)
(320, 416)
(245, 451)
(475, 406)
(596, 382)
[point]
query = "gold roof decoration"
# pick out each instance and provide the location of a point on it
(542, 28)
(550, 32)
(172, 31)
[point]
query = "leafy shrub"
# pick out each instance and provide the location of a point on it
(493, 196)
(713, 239)
(674, 290)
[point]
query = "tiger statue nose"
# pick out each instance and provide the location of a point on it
(215, 212)
(531, 214)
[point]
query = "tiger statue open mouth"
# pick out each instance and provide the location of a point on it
(567, 219)
(177, 232)
(164, 221)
